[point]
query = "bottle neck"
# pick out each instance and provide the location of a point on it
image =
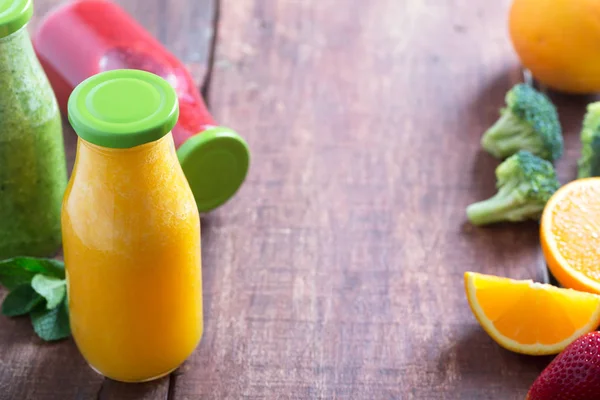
(27, 96)
(138, 152)
(97, 162)
(16, 51)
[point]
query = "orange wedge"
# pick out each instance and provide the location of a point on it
(570, 235)
(528, 317)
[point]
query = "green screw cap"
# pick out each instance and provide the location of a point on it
(14, 14)
(123, 108)
(215, 163)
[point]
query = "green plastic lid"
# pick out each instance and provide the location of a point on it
(215, 163)
(123, 108)
(14, 14)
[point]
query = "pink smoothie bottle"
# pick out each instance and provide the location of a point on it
(82, 38)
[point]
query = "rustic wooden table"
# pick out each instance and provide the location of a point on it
(336, 272)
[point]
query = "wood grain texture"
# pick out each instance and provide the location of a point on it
(337, 270)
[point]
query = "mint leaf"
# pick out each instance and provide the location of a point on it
(52, 289)
(51, 325)
(21, 270)
(46, 266)
(12, 276)
(20, 301)
(30, 281)
(52, 267)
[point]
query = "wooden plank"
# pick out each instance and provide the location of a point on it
(185, 27)
(155, 390)
(31, 369)
(336, 272)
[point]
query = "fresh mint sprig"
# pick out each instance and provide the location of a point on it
(37, 287)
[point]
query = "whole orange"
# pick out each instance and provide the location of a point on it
(559, 42)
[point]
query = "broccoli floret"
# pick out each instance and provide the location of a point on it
(525, 183)
(528, 122)
(589, 161)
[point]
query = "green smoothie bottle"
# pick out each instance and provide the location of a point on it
(33, 171)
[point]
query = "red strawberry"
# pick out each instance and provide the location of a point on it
(573, 375)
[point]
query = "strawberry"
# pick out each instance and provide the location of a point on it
(573, 375)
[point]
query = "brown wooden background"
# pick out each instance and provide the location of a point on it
(336, 272)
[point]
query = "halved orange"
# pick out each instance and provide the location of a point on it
(570, 235)
(528, 317)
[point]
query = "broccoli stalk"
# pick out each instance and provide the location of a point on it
(528, 122)
(508, 135)
(588, 164)
(506, 205)
(594, 169)
(525, 183)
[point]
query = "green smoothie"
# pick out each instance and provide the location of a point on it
(33, 173)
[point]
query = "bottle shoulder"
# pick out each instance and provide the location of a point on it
(145, 184)
(109, 211)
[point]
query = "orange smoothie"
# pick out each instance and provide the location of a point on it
(131, 233)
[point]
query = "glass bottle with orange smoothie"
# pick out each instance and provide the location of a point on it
(131, 230)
